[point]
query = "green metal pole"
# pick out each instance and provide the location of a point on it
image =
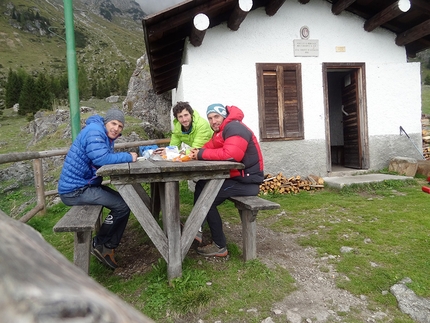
(72, 70)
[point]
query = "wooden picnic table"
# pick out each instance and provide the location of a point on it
(170, 242)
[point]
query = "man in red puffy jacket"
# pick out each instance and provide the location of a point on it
(234, 141)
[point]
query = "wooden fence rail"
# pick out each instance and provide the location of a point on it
(37, 157)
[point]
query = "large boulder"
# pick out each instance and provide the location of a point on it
(143, 103)
(46, 123)
(403, 165)
(423, 167)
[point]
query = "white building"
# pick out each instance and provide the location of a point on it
(319, 91)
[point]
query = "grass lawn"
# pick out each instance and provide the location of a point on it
(386, 224)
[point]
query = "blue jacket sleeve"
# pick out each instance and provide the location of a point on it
(99, 149)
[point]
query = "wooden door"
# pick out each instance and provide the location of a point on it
(351, 121)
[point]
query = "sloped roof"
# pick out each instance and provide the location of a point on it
(165, 32)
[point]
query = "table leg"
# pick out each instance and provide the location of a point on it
(171, 218)
(155, 200)
(198, 214)
(142, 194)
(145, 218)
(161, 196)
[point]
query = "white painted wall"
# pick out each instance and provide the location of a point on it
(393, 98)
(223, 69)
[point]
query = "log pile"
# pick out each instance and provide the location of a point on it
(425, 122)
(283, 185)
(426, 144)
(426, 153)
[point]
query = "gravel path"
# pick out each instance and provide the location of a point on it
(317, 299)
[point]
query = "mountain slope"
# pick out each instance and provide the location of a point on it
(108, 35)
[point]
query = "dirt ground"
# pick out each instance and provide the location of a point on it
(317, 299)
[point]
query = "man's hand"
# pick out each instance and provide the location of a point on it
(159, 151)
(134, 156)
(193, 153)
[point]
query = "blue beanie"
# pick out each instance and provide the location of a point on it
(217, 108)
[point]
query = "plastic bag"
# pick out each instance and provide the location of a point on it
(185, 149)
(171, 152)
(146, 151)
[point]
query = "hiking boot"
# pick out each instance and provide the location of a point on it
(212, 250)
(104, 255)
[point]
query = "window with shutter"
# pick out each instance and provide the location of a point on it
(280, 101)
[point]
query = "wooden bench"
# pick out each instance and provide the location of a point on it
(82, 220)
(248, 207)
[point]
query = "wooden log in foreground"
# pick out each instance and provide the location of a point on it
(38, 284)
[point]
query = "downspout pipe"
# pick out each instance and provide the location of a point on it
(72, 70)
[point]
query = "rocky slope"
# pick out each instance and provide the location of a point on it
(108, 35)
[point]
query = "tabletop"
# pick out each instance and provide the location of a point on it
(164, 170)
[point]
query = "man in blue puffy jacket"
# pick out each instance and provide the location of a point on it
(79, 184)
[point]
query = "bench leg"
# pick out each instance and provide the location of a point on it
(81, 257)
(249, 234)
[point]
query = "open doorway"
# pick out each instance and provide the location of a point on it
(346, 116)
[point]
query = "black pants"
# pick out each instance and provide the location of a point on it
(230, 188)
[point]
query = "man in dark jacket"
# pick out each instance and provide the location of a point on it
(234, 141)
(79, 184)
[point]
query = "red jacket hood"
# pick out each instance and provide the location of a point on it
(234, 114)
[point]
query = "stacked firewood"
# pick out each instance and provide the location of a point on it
(425, 122)
(426, 153)
(283, 185)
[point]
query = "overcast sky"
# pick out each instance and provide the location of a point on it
(153, 6)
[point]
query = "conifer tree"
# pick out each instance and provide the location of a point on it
(102, 89)
(123, 80)
(27, 97)
(54, 86)
(94, 89)
(13, 88)
(44, 95)
(113, 85)
(83, 84)
(64, 86)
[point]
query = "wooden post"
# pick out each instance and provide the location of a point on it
(155, 200)
(340, 6)
(273, 6)
(417, 32)
(391, 12)
(239, 14)
(81, 247)
(40, 191)
(200, 24)
(249, 233)
(171, 202)
(39, 184)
